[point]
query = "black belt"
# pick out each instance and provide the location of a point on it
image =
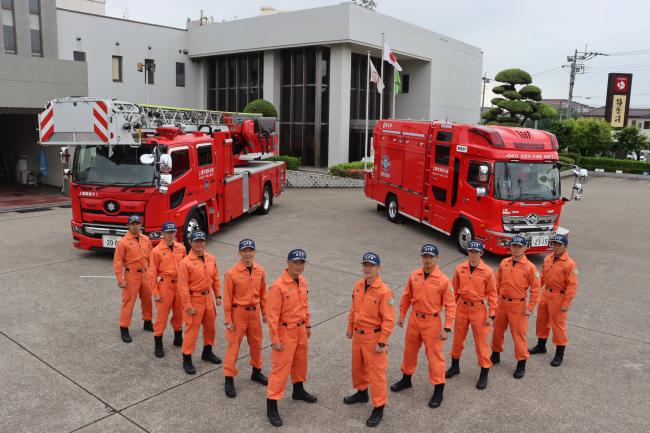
(556, 291)
(361, 331)
(199, 293)
(471, 304)
(135, 270)
(302, 322)
(424, 315)
(247, 307)
(512, 299)
(171, 281)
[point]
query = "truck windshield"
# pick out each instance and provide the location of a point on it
(112, 165)
(524, 181)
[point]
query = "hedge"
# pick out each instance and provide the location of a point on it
(567, 160)
(349, 169)
(574, 156)
(261, 106)
(292, 162)
(611, 165)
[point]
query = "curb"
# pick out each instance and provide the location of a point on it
(38, 208)
(619, 175)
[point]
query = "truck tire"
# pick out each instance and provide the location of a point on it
(194, 221)
(392, 209)
(267, 200)
(463, 234)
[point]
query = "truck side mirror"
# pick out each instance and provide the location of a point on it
(166, 163)
(483, 173)
(147, 159)
(165, 180)
(481, 192)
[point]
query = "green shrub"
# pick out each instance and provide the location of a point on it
(573, 156)
(292, 162)
(611, 165)
(349, 169)
(567, 160)
(261, 106)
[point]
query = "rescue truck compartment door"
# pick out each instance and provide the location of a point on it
(439, 192)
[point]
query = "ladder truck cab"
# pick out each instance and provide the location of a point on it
(162, 163)
(471, 181)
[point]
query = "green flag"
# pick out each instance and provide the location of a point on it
(398, 82)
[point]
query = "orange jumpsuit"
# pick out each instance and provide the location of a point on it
(427, 297)
(130, 263)
(244, 297)
(288, 319)
(197, 280)
(471, 289)
(513, 283)
(371, 320)
(560, 280)
(163, 268)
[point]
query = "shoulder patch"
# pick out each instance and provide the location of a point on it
(391, 301)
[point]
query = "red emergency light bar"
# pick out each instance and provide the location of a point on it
(491, 135)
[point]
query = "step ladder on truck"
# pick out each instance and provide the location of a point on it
(197, 168)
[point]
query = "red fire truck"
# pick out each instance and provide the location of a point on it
(471, 181)
(162, 163)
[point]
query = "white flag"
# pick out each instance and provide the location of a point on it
(375, 78)
(390, 57)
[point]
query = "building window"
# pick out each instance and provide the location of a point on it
(646, 124)
(234, 81)
(8, 26)
(117, 69)
(180, 74)
(35, 27)
(79, 56)
(304, 104)
(149, 69)
(406, 79)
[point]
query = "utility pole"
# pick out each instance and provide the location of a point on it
(577, 66)
(485, 81)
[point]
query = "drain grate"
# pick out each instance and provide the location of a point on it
(37, 209)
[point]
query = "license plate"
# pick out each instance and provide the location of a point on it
(109, 241)
(539, 241)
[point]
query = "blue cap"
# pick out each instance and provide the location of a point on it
(518, 240)
(561, 239)
(429, 250)
(197, 235)
(371, 258)
(246, 243)
(168, 227)
(135, 219)
(297, 255)
(475, 245)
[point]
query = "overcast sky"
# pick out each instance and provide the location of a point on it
(535, 36)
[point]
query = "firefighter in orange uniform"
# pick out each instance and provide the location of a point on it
(163, 267)
(198, 279)
(515, 276)
(289, 328)
(473, 283)
(560, 281)
(370, 323)
(428, 291)
(244, 298)
(130, 263)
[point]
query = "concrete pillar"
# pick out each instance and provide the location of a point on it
(339, 109)
(272, 71)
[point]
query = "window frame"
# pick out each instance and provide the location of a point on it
(179, 175)
(150, 78)
(477, 183)
(37, 14)
(199, 147)
(12, 10)
(74, 56)
(180, 83)
(436, 159)
(120, 78)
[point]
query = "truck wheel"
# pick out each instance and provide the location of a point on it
(392, 209)
(194, 221)
(267, 200)
(463, 235)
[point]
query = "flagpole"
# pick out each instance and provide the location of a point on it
(393, 105)
(381, 75)
(365, 140)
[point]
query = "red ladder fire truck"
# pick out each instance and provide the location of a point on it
(471, 181)
(197, 168)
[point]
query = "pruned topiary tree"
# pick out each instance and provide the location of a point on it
(261, 106)
(516, 105)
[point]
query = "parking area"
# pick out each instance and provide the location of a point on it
(64, 368)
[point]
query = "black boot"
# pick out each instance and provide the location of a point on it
(272, 412)
(187, 364)
(178, 338)
(357, 397)
(159, 350)
(257, 376)
(229, 387)
(404, 383)
(520, 370)
(496, 357)
(436, 398)
(483, 379)
(540, 348)
(148, 325)
(454, 369)
(375, 417)
(299, 393)
(124, 333)
(559, 356)
(209, 356)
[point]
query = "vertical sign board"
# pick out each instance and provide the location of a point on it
(619, 87)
